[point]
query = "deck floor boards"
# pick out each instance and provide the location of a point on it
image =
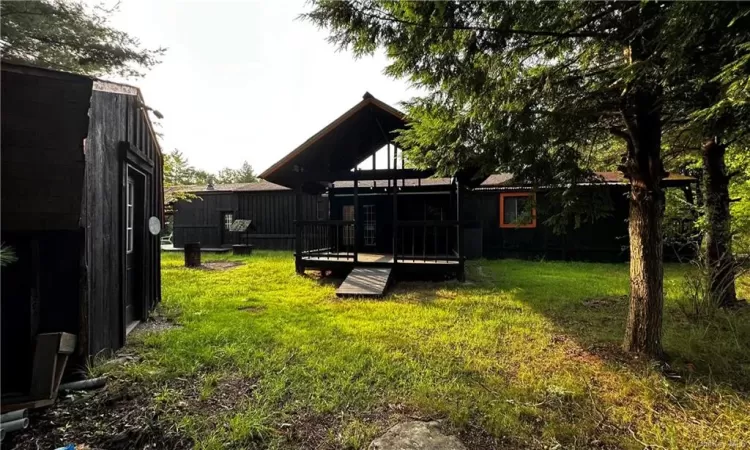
(383, 258)
(365, 282)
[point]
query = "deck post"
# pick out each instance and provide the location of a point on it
(395, 210)
(298, 266)
(460, 236)
(356, 218)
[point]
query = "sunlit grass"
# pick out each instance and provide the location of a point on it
(525, 353)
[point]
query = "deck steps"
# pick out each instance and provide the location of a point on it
(365, 282)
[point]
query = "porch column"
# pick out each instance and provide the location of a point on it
(356, 217)
(460, 228)
(395, 208)
(298, 231)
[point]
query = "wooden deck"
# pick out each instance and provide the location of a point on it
(365, 282)
(376, 258)
(166, 248)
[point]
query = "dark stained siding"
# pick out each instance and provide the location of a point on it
(604, 240)
(44, 123)
(116, 118)
(109, 120)
(272, 213)
(199, 219)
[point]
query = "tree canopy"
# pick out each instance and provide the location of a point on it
(178, 171)
(245, 174)
(70, 36)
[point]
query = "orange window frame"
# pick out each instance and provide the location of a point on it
(505, 195)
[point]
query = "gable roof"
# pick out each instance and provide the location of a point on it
(98, 84)
(342, 144)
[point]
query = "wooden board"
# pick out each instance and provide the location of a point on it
(365, 282)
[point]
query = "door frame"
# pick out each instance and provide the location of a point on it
(225, 239)
(132, 161)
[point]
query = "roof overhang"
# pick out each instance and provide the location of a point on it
(341, 146)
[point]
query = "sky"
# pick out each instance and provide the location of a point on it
(246, 80)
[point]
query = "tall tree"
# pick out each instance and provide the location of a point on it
(244, 174)
(530, 87)
(71, 36)
(707, 68)
(178, 171)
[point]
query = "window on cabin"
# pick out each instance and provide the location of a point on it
(228, 219)
(347, 214)
(369, 213)
(129, 215)
(517, 210)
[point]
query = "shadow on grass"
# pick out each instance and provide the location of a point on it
(589, 304)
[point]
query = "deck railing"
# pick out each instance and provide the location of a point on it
(427, 241)
(330, 239)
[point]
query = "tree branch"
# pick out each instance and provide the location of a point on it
(387, 17)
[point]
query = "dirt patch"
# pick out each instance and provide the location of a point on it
(156, 324)
(119, 416)
(225, 394)
(603, 302)
(219, 265)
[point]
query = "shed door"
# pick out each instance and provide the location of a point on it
(133, 247)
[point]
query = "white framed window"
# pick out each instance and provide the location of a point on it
(347, 214)
(228, 219)
(130, 198)
(369, 213)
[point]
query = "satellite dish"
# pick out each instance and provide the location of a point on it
(154, 225)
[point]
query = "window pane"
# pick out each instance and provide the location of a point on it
(509, 210)
(522, 214)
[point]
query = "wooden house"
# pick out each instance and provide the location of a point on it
(82, 201)
(205, 217)
(372, 233)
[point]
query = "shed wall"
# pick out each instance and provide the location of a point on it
(117, 119)
(44, 124)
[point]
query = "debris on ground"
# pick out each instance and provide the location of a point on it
(416, 435)
(219, 265)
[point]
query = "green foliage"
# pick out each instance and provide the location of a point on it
(70, 36)
(244, 174)
(178, 171)
(738, 162)
(7, 255)
(524, 87)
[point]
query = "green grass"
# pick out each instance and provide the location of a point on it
(525, 354)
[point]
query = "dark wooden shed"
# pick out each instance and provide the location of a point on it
(81, 181)
(206, 216)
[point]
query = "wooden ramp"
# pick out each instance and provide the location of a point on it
(365, 282)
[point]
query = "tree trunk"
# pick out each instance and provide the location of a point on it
(645, 170)
(719, 257)
(643, 331)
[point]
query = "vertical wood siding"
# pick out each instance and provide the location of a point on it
(272, 213)
(117, 118)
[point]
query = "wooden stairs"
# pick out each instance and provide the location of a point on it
(365, 282)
